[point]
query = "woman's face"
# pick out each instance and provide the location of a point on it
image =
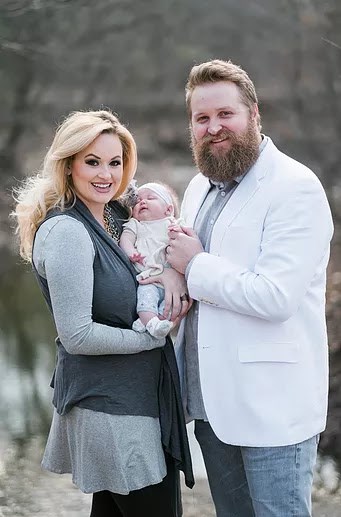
(97, 172)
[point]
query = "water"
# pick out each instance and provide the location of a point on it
(27, 353)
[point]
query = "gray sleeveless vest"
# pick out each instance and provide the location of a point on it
(121, 384)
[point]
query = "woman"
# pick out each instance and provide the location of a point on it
(111, 426)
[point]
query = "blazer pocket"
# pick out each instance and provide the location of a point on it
(284, 352)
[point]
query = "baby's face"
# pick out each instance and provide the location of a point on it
(150, 206)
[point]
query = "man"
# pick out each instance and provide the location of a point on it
(253, 348)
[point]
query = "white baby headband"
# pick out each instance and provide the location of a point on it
(160, 191)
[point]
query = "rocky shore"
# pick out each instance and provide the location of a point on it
(40, 494)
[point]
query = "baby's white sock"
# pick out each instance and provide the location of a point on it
(159, 328)
(138, 326)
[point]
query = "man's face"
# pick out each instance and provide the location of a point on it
(225, 135)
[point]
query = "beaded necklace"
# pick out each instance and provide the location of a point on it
(110, 225)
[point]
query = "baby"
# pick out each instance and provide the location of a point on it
(144, 239)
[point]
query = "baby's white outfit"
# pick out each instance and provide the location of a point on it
(151, 241)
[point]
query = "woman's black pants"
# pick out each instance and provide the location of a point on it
(161, 500)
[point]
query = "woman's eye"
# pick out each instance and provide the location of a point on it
(92, 162)
(226, 113)
(115, 163)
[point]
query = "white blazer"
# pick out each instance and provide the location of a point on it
(261, 289)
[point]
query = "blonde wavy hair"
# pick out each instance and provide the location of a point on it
(52, 186)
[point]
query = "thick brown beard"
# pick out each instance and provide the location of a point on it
(228, 164)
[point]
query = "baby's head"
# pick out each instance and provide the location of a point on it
(154, 201)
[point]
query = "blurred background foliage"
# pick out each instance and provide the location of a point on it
(134, 57)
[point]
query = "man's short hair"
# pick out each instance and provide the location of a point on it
(218, 70)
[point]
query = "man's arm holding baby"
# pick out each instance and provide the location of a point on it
(183, 246)
(173, 281)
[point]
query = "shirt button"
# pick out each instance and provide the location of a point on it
(211, 222)
(223, 193)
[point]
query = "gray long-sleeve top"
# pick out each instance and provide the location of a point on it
(64, 254)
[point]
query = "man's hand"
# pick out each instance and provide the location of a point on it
(177, 302)
(184, 244)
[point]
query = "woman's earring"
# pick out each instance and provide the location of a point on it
(68, 171)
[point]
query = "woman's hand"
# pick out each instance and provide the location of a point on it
(177, 301)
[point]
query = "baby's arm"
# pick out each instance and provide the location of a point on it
(127, 243)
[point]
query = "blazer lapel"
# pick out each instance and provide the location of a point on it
(196, 200)
(243, 193)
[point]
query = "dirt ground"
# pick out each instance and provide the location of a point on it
(26, 491)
